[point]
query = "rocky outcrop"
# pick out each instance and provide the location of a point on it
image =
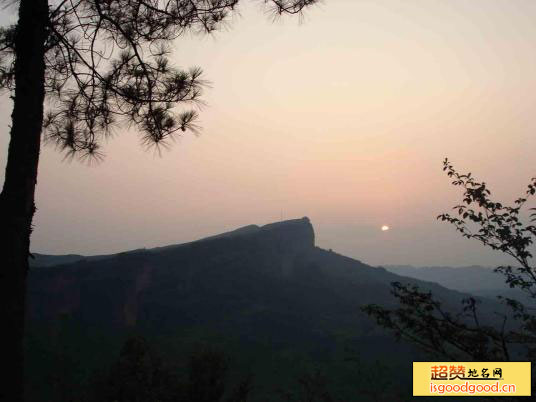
(115, 289)
(295, 235)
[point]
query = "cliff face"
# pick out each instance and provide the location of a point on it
(293, 236)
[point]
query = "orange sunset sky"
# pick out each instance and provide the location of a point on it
(344, 117)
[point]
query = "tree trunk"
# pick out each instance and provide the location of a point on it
(17, 198)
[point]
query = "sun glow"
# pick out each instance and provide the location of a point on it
(385, 228)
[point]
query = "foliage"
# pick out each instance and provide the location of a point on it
(77, 68)
(139, 374)
(108, 62)
(422, 319)
(207, 371)
(500, 227)
(312, 387)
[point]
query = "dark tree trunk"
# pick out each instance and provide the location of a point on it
(17, 198)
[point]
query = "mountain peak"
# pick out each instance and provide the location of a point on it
(296, 234)
(288, 223)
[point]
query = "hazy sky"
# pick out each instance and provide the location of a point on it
(344, 117)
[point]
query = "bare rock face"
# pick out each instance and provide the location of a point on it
(295, 235)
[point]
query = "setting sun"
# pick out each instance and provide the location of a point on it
(385, 228)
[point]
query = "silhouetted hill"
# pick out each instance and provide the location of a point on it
(47, 260)
(44, 260)
(465, 279)
(477, 280)
(268, 289)
(267, 268)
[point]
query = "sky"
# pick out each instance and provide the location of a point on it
(344, 116)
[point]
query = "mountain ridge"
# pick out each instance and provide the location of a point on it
(269, 289)
(282, 252)
(48, 260)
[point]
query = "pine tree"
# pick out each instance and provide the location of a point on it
(96, 63)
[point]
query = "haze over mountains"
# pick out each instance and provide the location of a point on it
(477, 280)
(267, 294)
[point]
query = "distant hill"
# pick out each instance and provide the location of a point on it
(477, 280)
(48, 260)
(465, 279)
(265, 292)
(44, 260)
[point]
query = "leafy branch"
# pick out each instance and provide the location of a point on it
(424, 321)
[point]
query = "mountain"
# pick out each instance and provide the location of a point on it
(266, 294)
(44, 260)
(274, 268)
